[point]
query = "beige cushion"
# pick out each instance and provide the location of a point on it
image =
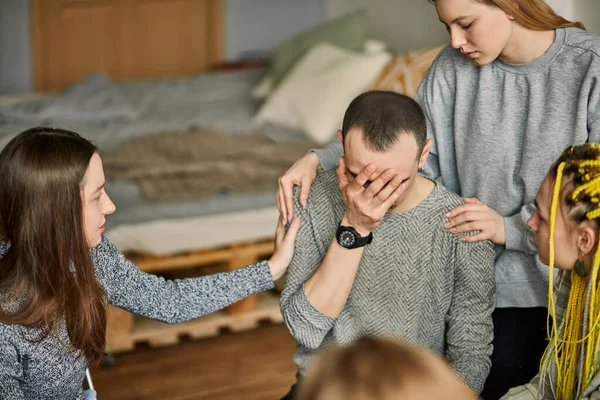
(267, 84)
(347, 31)
(315, 94)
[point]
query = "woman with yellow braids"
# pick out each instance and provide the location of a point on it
(566, 228)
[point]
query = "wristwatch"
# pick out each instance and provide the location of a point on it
(349, 238)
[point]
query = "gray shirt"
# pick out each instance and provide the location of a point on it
(496, 131)
(415, 281)
(48, 370)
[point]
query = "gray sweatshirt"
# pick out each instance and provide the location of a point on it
(415, 281)
(48, 370)
(496, 131)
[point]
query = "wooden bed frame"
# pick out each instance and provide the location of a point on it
(126, 39)
(125, 329)
(145, 39)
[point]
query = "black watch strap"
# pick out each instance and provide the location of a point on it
(349, 238)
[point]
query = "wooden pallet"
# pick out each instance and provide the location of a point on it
(125, 329)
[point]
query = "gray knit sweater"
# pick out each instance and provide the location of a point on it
(48, 370)
(415, 281)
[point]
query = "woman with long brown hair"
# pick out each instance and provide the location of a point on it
(57, 271)
(517, 84)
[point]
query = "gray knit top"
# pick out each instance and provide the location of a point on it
(415, 281)
(49, 370)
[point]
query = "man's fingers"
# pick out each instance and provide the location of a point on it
(342, 174)
(380, 181)
(389, 188)
(364, 176)
(393, 196)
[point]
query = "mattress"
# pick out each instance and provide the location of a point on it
(109, 113)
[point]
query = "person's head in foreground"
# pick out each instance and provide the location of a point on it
(52, 210)
(381, 369)
(565, 227)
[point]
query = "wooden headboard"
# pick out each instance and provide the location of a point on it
(126, 39)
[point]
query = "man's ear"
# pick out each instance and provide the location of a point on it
(340, 136)
(424, 153)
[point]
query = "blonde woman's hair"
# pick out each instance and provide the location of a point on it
(381, 369)
(532, 14)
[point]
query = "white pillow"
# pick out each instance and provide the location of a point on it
(266, 85)
(263, 88)
(373, 46)
(319, 88)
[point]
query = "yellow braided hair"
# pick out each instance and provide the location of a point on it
(578, 169)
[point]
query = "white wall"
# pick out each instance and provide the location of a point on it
(252, 27)
(562, 7)
(402, 24)
(15, 56)
(588, 12)
(255, 26)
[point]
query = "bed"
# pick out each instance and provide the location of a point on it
(215, 99)
(118, 71)
(114, 70)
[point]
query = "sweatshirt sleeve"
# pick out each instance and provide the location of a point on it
(306, 324)
(329, 156)
(178, 300)
(469, 320)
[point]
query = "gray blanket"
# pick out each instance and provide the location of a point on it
(199, 162)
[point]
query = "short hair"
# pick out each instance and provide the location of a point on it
(381, 369)
(383, 116)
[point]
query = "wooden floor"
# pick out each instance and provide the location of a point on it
(253, 365)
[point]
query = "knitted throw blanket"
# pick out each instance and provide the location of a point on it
(199, 162)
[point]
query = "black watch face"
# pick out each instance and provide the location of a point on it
(347, 239)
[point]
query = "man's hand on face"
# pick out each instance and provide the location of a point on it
(366, 205)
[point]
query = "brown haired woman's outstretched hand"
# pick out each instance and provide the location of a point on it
(284, 247)
(476, 216)
(302, 173)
